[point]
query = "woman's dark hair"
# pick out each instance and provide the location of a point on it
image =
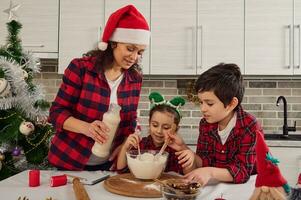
(165, 108)
(225, 80)
(104, 59)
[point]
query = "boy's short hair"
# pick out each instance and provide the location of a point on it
(225, 80)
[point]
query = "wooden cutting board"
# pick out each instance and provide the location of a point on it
(128, 185)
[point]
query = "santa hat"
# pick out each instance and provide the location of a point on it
(268, 171)
(126, 25)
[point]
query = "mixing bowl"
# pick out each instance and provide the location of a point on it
(146, 165)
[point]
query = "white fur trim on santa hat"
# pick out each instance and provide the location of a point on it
(133, 36)
(102, 46)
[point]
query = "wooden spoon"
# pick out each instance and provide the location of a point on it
(138, 131)
(162, 149)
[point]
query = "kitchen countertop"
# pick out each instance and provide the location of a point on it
(271, 143)
(15, 186)
(193, 133)
(283, 143)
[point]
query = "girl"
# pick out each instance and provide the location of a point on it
(164, 119)
(106, 76)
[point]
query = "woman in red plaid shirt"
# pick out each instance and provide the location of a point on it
(227, 134)
(90, 84)
(164, 117)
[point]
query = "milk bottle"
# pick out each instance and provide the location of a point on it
(111, 118)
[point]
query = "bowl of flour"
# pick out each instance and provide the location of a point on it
(147, 165)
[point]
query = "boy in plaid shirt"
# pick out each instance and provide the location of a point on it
(227, 134)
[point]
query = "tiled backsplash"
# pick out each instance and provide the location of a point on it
(260, 100)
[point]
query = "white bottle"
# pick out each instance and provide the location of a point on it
(111, 118)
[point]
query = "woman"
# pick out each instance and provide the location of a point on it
(90, 84)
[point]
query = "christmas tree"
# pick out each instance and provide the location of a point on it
(24, 131)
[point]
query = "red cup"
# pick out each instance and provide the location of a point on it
(34, 178)
(56, 181)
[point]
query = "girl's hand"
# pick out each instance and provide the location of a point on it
(176, 142)
(200, 175)
(186, 158)
(97, 130)
(132, 141)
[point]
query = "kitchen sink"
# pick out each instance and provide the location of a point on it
(292, 137)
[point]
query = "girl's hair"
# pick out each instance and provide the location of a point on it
(104, 59)
(165, 108)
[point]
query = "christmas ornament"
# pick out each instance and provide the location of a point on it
(25, 74)
(270, 184)
(16, 151)
(2, 157)
(26, 128)
(20, 162)
(11, 11)
(4, 87)
(4, 148)
(42, 120)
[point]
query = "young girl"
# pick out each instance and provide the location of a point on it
(164, 119)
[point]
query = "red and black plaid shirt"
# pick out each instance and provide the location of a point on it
(237, 154)
(85, 95)
(172, 161)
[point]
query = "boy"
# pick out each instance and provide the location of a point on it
(227, 134)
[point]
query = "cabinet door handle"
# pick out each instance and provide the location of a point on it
(298, 66)
(289, 46)
(38, 45)
(199, 65)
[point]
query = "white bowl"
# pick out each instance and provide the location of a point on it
(146, 165)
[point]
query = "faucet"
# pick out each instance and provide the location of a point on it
(285, 128)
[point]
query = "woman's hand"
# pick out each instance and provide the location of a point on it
(186, 158)
(97, 130)
(200, 175)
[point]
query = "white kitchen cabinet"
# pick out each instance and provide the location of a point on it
(297, 38)
(80, 28)
(290, 162)
(40, 24)
(188, 37)
(269, 37)
(173, 26)
(144, 7)
(220, 33)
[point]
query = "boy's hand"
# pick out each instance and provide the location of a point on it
(176, 142)
(200, 175)
(186, 158)
(132, 141)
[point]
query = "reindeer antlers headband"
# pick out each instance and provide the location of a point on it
(157, 99)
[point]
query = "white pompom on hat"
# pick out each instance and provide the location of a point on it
(126, 25)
